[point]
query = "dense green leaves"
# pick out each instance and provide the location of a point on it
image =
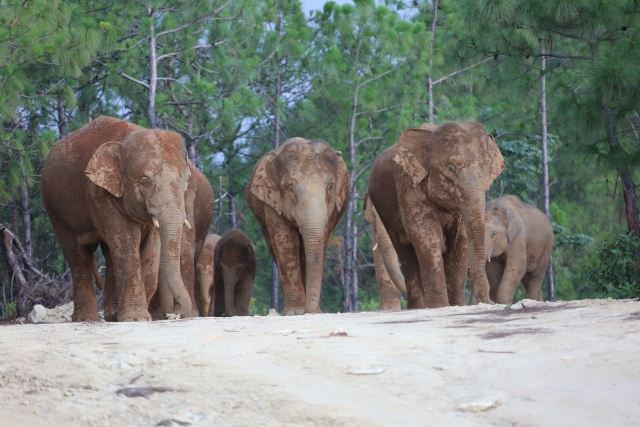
(616, 270)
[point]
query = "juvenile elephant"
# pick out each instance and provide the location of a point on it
(115, 184)
(518, 241)
(298, 192)
(199, 200)
(388, 275)
(234, 268)
(428, 190)
(204, 274)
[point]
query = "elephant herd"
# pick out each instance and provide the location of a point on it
(134, 192)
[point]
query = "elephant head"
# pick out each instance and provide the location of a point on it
(502, 226)
(307, 183)
(455, 164)
(149, 171)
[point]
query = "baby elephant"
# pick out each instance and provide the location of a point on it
(204, 274)
(518, 241)
(234, 268)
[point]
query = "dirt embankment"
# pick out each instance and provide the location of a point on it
(563, 364)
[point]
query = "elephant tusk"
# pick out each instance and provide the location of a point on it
(155, 222)
(187, 224)
(375, 247)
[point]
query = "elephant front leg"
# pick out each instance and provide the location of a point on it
(125, 254)
(428, 247)
(285, 241)
(456, 265)
(514, 270)
(243, 295)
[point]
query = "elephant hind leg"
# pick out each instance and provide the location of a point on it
(409, 262)
(532, 283)
(110, 304)
(81, 262)
(495, 270)
(389, 295)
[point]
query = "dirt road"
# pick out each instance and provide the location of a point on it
(563, 364)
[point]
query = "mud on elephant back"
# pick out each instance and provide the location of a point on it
(298, 193)
(429, 191)
(120, 186)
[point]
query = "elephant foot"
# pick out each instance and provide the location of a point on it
(111, 316)
(292, 312)
(85, 316)
(133, 315)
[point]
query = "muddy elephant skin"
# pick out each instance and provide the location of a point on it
(199, 201)
(298, 193)
(388, 275)
(518, 241)
(204, 274)
(115, 184)
(234, 268)
(429, 191)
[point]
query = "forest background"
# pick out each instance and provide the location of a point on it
(236, 78)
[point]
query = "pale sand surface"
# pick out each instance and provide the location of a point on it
(562, 364)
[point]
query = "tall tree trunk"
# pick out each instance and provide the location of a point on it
(26, 215)
(628, 187)
(355, 306)
(153, 75)
(349, 286)
(545, 172)
(432, 118)
(62, 118)
(232, 211)
(275, 275)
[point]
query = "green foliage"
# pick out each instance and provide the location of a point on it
(615, 272)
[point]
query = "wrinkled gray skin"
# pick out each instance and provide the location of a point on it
(122, 187)
(429, 191)
(298, 193)
(234, 268)
(518, 242)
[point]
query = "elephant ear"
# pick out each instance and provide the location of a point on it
(513, 226)
(263, 184)
(494, 163)
(343, 184)
(103, 168)
(408, 149)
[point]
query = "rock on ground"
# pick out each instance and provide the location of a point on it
(532, 364)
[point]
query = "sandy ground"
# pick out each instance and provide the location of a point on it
(562, 364)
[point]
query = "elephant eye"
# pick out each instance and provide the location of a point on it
(330, 186)
(144, 179)
(450, 168)
(493, 234)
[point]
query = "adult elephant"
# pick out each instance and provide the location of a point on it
(298, 192)
(388, 275)
(429, 191)
(121, 186)
(199, 200)
(518, 240)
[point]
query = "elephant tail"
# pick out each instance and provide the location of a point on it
(96, 273)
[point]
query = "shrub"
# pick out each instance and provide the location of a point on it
(616, 270)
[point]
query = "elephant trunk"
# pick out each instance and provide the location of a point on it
(390, 257)
(473, 211)
(312, 224)
(170, 225)
(229, 295)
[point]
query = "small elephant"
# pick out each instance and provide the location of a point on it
(429, 191)
(388, 275)
(204, 274)
(114, 184)
(234, 268)
(199, 200)
(298, 193)
(518, 242)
